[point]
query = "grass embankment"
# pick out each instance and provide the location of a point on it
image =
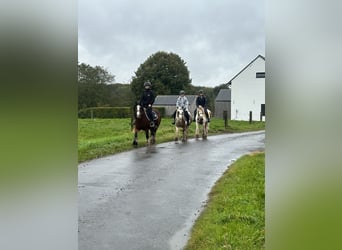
(235, 214)
(101, 137)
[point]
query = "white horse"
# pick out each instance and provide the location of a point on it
(202, 119)
(180, 123)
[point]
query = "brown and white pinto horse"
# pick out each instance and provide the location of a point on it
(180, 123)
(142, 123)
(202, 120)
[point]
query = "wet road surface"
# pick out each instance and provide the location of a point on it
(148, 198)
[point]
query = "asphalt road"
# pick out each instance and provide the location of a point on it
(149, 198)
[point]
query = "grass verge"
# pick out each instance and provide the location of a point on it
(101, 137)
(234, 217)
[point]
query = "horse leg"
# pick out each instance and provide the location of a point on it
(205, 130)
(184, 134)
(147, 135)
(197, 131)
(176, 134)
(135, 141)
(153, 136)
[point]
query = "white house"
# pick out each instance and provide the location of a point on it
(248, 91)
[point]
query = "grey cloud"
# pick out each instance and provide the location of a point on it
(213, 37)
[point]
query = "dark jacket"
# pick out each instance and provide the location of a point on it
(201, 100)
(147, 98)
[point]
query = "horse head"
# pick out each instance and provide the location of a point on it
(200, 114)
(202, 119)
(179, 113)
(180, 123)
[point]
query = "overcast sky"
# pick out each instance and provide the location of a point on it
(216, 38)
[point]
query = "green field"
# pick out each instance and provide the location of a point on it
(101, 137)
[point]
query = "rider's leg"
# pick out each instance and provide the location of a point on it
(194, 115)
(187, 117)
(206, 113)
(150, 116)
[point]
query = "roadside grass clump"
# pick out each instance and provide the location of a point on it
(101, 137)
(234, 217)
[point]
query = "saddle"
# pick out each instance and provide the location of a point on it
(154, 115)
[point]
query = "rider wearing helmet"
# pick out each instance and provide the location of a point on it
(201, 100)
(146, 101)
(182, 102)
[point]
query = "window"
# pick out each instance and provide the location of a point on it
(263, 109)
(260, 74)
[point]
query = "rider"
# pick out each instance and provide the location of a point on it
(182, 102)
(146, 101)
(201, 100)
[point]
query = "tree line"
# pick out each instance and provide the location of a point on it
(167, 72)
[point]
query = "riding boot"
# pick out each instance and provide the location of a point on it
(206, 113)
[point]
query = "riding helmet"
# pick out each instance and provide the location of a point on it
(147, 85)
(182, 92)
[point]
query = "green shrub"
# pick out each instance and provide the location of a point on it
(110, 112)
(105, 112)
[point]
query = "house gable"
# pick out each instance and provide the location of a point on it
(259, 56)
(248, 91)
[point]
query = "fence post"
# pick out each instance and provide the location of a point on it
(250, 116)
(225, 116)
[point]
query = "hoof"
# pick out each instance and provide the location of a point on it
(135, 143)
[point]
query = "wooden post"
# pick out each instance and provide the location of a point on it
(250, 116)
(225, 117)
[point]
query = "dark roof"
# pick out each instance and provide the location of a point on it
(229, 82)
(223, 95)
(171, 99)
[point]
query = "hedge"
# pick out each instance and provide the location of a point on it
(110, 112)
